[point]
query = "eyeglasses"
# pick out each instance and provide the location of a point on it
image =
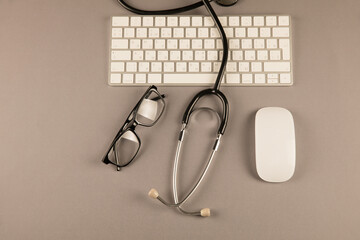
(126, 143)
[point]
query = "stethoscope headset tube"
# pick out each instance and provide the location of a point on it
(205, 212)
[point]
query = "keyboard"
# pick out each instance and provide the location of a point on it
(187, 51)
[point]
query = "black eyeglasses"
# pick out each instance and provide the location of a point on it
(126, 143)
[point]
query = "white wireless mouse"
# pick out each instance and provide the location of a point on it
(275, 144)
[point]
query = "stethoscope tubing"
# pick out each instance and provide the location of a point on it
(207, 92)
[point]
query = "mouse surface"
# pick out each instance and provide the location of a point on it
(275, 144)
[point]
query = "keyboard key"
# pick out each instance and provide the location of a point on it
(178, 32)
(159, 43)
(117, 32)
(246, 78)
(240, 32)
(271, 21)
(256, 67)
(234, 44)
(172, 21)
(244, 67)
(262, 55)
(166, 32)
(259, 43)
(231, 67)
(258, 21)
(138, 55)
(120, 21)
(135, 21)
(214, 33)
(154, 32)
(284, 20)
(144, 66)
(250, 55)
(128, 78)
(141, 32)
(160, 21)
(196, 44)
(120, 44)
(275, 55)
(174, 55)
(246, 21)
(208, 22)
(253, 32)
(150, 55)
(190, 78)
(184, 44)
(197, 21)
(206, 67)
(271, 43)
(148, 21)
(129, 32)
(154, 78)
(229, 32)
(169, 67)
(115, 78)
(187, 55)
(184, 21)
(131, 67)
(212, 55)
(265, 32)
(120, 55)
(223, 21)
(285, 78)
(140, 78)
(237, 55)
(135, 44)
(194, 67)
(281, 32)
(259, 78)
(234, 21)
(172, 44)
(190, 32)
(147, 44)
(246, 43)
(209, 43)
(284, 44)
(156, 67)
(276, 67)
(272, 80)
(163, 55)
(117, 67)
(203, 32)
(233, 78)
(181, 67)
(200, 55)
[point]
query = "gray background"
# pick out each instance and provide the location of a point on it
(58, 116)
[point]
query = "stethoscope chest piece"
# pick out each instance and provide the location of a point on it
(226, 3)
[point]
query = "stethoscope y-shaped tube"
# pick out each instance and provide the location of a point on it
(205, 212)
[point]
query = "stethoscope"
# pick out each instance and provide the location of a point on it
(214, 91)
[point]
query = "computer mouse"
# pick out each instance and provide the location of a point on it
(275, 150)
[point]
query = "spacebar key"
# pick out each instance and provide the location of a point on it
(189, 78)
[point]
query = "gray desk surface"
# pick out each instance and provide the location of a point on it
(58, 116)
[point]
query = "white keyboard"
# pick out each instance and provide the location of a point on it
(187, 51)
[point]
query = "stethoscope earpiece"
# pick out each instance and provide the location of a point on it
(226, 3)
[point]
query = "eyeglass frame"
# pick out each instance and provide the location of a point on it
(128, 126)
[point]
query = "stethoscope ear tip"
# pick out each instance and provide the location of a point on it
(153, 193)
(205, 212)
